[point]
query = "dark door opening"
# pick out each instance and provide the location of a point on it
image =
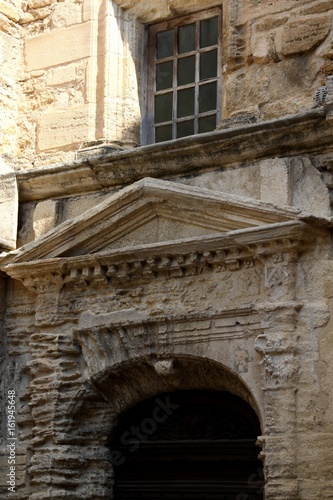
(190, 445)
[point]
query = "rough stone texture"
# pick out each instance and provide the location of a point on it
(72, 44)
(275, 182)
(264, 50)
(9, 11)
(204, 263)
(8, 208)
(317, 7)
(240, 300)
(310, 193)
(304, 34)
(46, 215)
(66, 14)
(10, 73)
(100, 61)
(51, 132)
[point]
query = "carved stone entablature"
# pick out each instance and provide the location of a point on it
(107, 340)
(276, 246)
(159, 230)
(170, 265)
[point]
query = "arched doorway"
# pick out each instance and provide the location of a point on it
(190, 444)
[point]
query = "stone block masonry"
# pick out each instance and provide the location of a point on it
(202, 263)
(276, 55)
(58, 47)
(62, 129)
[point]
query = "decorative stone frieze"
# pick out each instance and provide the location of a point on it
(114, 270)
(106, 342)
(280, 258)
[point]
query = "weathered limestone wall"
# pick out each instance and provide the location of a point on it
(81, 79)
(285, 55)
(89, 335)
(11, 71)
(60, 57)
(82, 327)
(78, 88)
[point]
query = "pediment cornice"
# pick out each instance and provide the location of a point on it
(150, 212)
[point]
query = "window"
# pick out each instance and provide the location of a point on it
(184, 81)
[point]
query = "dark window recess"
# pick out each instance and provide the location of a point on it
(188, 444)
(184, 81)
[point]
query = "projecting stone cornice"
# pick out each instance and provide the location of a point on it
(160, 230)
(276, 245)
(103, 167)
(149, 212)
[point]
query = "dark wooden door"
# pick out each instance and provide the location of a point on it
(189, 445)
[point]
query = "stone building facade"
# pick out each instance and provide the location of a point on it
(134, 269)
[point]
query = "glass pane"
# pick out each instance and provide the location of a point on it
(163, 108)
(207, 124)
(186, 70)
(209, 30)
(186, 38)
(208, 64)
(185, 128)
(185, 104)
(165, 44)
(207, 97)
(164, 75)
(163, 133)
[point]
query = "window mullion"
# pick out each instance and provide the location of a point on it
(197, 78)
(175, 84)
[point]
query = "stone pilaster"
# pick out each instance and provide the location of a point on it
(59, 465)
(278, 350)
(280, 372)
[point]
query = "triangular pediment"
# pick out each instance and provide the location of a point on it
(148, 212)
